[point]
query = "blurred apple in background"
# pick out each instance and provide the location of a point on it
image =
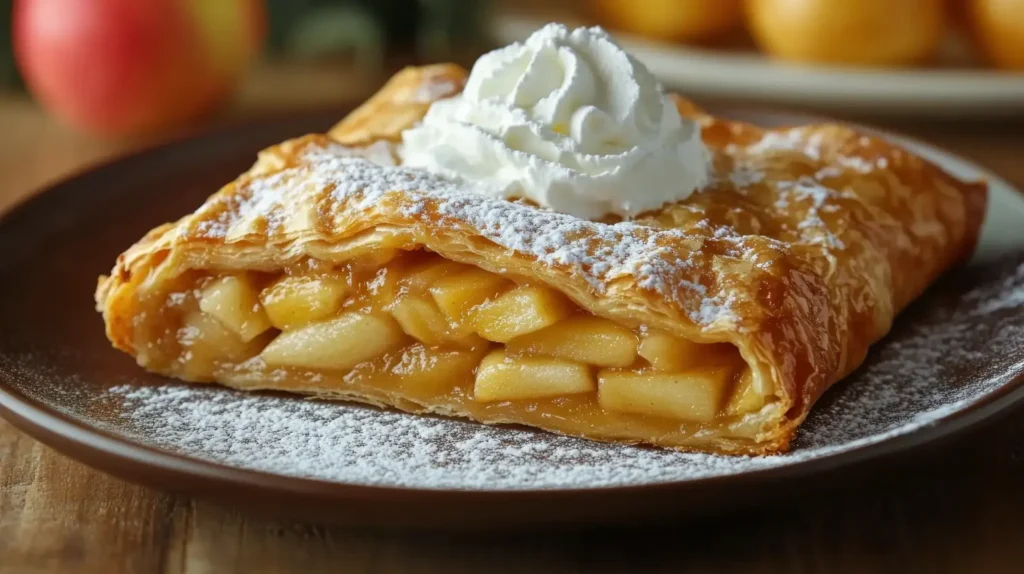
(849, 32)
(682, 20)
(128, 67)
(997, 27)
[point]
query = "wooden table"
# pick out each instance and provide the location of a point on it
(958, 508)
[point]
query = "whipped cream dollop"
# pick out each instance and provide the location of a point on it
(568, 120)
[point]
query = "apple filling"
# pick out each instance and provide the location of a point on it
(420, 332)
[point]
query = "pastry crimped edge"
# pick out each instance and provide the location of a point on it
(776, 297)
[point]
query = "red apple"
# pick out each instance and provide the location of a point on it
(133, 66)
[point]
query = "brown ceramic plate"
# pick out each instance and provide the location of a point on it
(954, 359)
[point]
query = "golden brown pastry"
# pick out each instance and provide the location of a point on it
(712, 324)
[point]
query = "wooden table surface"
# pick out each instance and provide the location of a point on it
(957, 508)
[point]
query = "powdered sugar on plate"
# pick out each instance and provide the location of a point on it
(940, 360)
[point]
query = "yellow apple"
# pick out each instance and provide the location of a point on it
(683, 20)
(848, 32)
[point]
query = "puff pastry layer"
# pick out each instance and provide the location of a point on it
(797, 258)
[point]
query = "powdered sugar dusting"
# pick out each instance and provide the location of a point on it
(816, 199)
(937, 362)
(743, 176)
(790, 140)
(1008, 294)
(811, 193)
(598, 252)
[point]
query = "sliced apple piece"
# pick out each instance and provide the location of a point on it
(427, 371)
(235, 302)
(667, 352)
(745, 398)
(420, 318)
(502, 378)
(376, 259)
(520, 311)
(422, 275)
(294, 301)
(585, 339)
(206, 343)
(457, 294)
(203, 330)
(383, 288)
(672, 354)
(340, 343)
(696, 395)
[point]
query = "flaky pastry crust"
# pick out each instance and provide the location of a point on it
(801, 253)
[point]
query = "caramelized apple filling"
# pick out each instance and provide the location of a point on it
(419, 331)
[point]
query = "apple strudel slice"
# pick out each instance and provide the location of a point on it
(710, 324)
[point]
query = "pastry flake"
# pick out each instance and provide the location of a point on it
(712, 324)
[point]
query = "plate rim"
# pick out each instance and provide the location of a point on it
(63, 432)
(56, 429)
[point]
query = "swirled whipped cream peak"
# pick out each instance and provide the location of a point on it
(568, 120)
